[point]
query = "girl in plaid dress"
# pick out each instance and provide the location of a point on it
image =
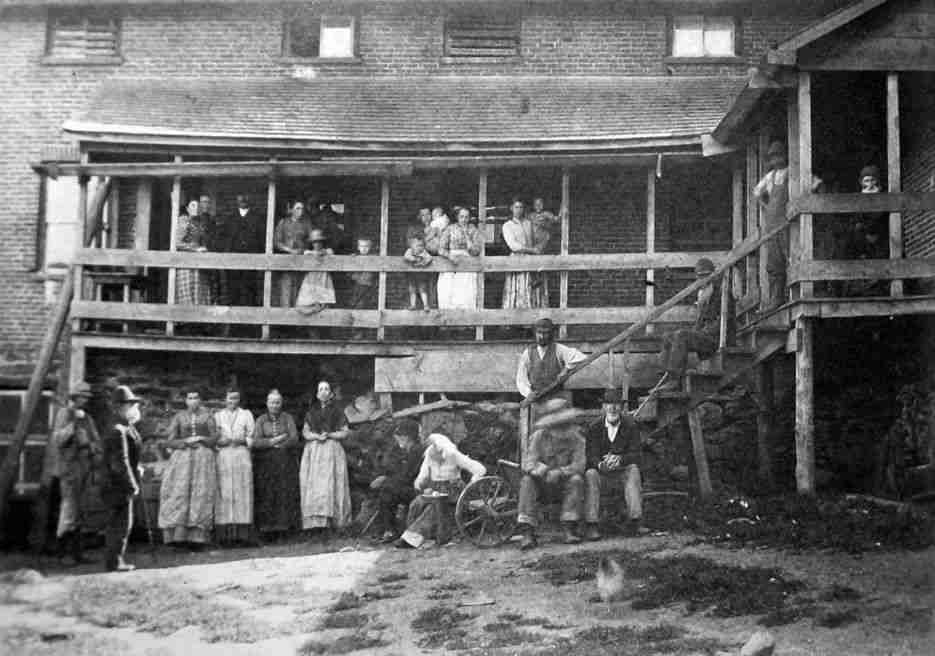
(192, 286)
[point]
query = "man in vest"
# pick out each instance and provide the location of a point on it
(541, 364)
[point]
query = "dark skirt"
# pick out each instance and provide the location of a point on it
(276, 489)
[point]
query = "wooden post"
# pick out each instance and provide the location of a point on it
(701, 456)
(268, 249)
(737, 219)
(764, 416)
(384, 250)
(86, 238)
(176, 203)
(804, 406)
(650, 240)
(525, 424)
(759, 165)
(144, 211)
(564, 213)
(481, 219)
(894, 172)
(76, 364)
(806, 234)
(724, 327)
(625, 377)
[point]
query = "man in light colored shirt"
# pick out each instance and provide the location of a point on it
(541, 364)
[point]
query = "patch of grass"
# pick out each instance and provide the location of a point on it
(512, 637)
(347, 601)
(344, 620)
(700, 583)
(446, 590)
(342, 645)
(787, 615)
(832, 619)
(632, 641)
(376, 595)
(392, 577)
(159, 608)
(518, 619)
(839, 593)
(440, 626)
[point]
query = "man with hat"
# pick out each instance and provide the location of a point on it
(542, 363)
(398, 470)
(554, 460)
(122, 444)
(702, 338)
(79, 446)
(772, 191)
(613, 455)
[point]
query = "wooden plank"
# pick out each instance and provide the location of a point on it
(894, 172)
(464, 369)
(176, 205)
(794, 186)
(565, 217)
(863, 269)
(650, 239)
(847, 308)
(753, 225)
(806, 233)
(83, 230)
(701, 457)
(394, 264)
(481, 219)
(760, 212)
(384, 250)
(246, 169)
(786, 52)
(268, 249)
(144, 208)
(366, 318)
(805, 407)
(862, 203)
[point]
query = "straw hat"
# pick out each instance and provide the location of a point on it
(559, 412)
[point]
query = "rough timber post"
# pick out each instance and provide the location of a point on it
(804, 406)
(481, 220)
(268, 249)
(384, 250)
(650, 239)
(806, 235)
(565, 216)
(701, 456)
(893, 169)
(176, 203)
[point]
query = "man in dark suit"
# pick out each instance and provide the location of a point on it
(242, 232)
(613, 460)
(122, 444)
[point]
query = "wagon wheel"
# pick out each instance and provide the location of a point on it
(486, 511)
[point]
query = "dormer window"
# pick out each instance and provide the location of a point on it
(699, 36)
(82, 37)
(321, 37)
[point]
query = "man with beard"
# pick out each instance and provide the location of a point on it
(122, 444)
(541, 364)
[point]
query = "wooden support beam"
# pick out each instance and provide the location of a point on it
(176, 204)
(794, 152)
(764, 420)
(917, 201)
(724, 325)
(759, 213)
(268, 249)
(806, 233)
(816, 270)
(805, 406)
(894, 172)
(650, 239)
(211, 171)
(144, 210)
(384, 251)
(481, 220)
(83, 230)
(564, 213)
(737, 221)
(700, 455)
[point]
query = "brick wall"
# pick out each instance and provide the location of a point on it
(217, 41)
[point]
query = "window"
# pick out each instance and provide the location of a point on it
(60, 233)
(703, 36)
(480, 36)
(82, 37)
(324, 37)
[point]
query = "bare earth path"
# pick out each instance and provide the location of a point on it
(495, 601)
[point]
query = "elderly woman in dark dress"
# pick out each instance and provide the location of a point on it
(275, 470)
(326, 494)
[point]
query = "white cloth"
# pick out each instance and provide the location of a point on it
(442, 461)
(567, 357)
(611, 430)
(234, 501)
(457, 290)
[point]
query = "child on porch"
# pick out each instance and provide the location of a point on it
(363, 282)
(417, 256)
(317, 290)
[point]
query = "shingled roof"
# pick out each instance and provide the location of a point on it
(473, 112)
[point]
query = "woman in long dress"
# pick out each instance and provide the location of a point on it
(192, 286)
(458, 242)
(275, 470)
(326, 494)
(522, 289)
(291, 236)
(317, 289)
(189, 483)
(233, 507)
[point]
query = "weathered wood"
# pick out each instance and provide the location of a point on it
(144, 209)
(493, 370)
(650, 239)
(481, 219)
(759, 214)
(862, 203)
(764, 420)
(383, 262)
(268, 249)
(805, 407)
(700, 455)
(565, 216)
(176, 203)
(806, 233)
(255, 169)
(863, 269)
(422, 408)
(846, 308)
(894, 172)
(794, 171)
(724, 323)
(384, 250)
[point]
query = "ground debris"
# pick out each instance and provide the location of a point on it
(343, 645)
(631, 641)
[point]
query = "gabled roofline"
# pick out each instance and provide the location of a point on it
(786, 53)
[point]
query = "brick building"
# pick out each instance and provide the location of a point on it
(643, 124)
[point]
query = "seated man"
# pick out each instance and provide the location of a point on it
(553, 460)
(399, 469)
(613, 455)
(702, 338)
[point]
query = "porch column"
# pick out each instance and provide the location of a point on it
(806, 234)
(894, 172)
(384, 250)
(758, 164)
(650, 241)
(82, 230)
(564, 215)
(268, 249)
(804, 406)
(144, 210)
(481, 220)
(175, 202)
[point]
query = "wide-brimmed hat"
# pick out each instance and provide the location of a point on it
(558, 412)
(316, 235)
(544, 324)
(364, 408)
(81, 388)
(124, 394)
(869, 170)
(704, 265)
(612, 395)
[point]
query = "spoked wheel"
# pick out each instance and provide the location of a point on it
(486, 511)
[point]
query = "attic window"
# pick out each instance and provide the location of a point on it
(704, 36)
(482, 37)
(321, 37)
(81, 36)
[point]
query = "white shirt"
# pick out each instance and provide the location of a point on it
(567, 357)
(235, 424)
(243, 211)
(611, 430)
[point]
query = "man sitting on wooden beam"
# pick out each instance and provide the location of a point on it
(702, 338)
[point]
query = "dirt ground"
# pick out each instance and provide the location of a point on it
(680, 596)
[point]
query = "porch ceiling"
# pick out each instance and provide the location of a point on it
(453, 113)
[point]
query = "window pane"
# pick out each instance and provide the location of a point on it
(337, 37)
(304, 37)
(61, 216)
(688, 36)
(719, 37)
